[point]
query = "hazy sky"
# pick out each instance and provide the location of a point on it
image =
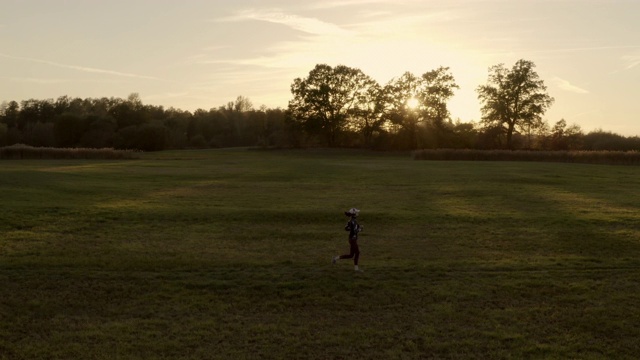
(193, 54)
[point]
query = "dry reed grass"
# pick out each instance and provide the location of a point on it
(20, 151)
(586, 157)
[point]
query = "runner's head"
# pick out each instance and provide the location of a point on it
(353, 212)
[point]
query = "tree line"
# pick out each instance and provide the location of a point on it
(129, 124)
(336, 106)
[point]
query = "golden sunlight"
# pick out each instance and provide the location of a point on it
(413, 103)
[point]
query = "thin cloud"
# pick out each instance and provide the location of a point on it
(300, 23)
(400, 26)
(565, 50)
(567, 86)
(594, 48)
(345, 3)
(632, 61)
(41, 81)
(80, 68)
(362, 41)
(53, 81)
(167, 95)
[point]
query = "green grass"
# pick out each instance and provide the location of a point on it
(226, 254)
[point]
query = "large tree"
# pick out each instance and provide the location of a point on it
(436, 89)
(513, 98)
(9, 113)
(402, 108)
(413, 100)
(368, 114)
(327, 99)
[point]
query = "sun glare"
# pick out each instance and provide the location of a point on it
(413, 103)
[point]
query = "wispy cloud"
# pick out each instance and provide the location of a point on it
(55, 81)
(79, 68)
(41, 81)
(564, 50)
(593, 48)
(631, 61)
(567, 86)
(368, 35)
(345, 3)
(395, 3)
(296, 22)
(167, 95)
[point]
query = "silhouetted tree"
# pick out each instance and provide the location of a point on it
(274, 132)
(327, 99)
(241, 104)
(9, 113)
(33, 111)
(4, 130)
(606, 140)
(38, 134)
(565, 137)
(100, 132)
(367, 116)
(177, 124)
(414, 101)
(151, 137)
(401, 110)
(465, 136)
(129, 112)
(68, 130)
(513, 98)
(436, 89)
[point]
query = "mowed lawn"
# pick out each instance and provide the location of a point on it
(227, 254)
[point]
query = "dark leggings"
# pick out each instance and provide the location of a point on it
(354, 252)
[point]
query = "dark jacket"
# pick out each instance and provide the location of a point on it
(353, 228)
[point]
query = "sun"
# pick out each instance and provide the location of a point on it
(413, 103)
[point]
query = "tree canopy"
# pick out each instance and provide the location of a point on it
(332, 101)
(513, 98)
(329, 97)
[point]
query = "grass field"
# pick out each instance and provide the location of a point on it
(227, 254)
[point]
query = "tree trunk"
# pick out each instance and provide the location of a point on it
(510, 135)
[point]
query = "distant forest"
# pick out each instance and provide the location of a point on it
(332, 107)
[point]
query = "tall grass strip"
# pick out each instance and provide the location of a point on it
(20, 151)
(585, 157)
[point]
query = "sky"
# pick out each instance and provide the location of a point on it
(202, 54)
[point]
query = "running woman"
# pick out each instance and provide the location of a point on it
(353, 228)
